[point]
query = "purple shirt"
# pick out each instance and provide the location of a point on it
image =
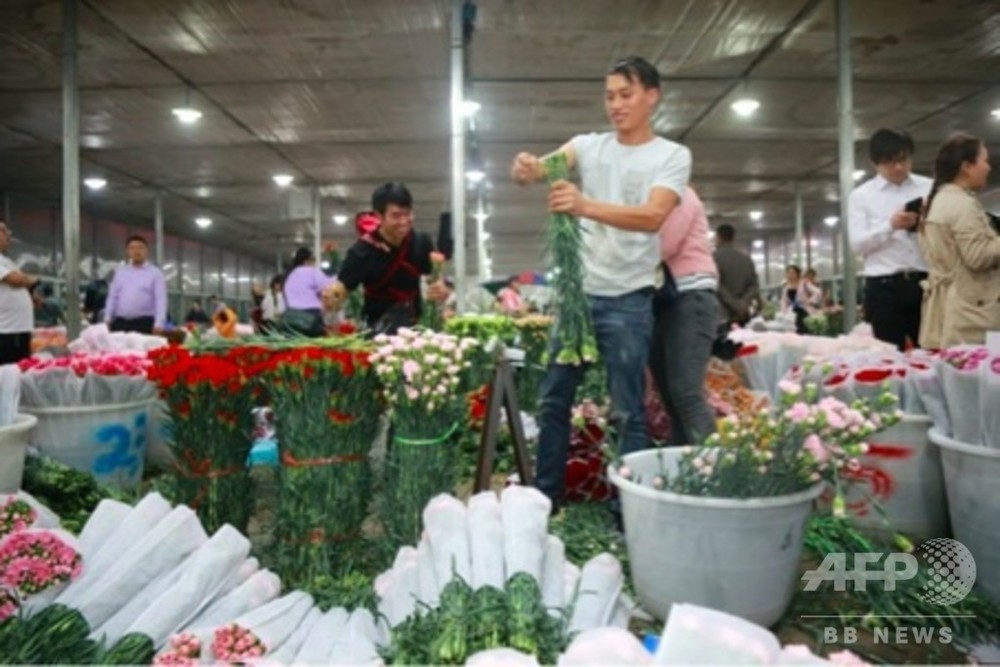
(137, 291)
(303, 287)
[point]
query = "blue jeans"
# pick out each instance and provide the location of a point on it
(623, 326)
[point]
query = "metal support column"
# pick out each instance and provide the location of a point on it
(799, 226)
(317, 225)
(767, 260)
(458, 150)
(71, 168)
(845, 123)
(158, 229)
(277, 257)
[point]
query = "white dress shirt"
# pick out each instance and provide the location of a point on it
(869, 214)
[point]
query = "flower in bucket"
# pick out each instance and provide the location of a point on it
(806, 439)
(423, 376)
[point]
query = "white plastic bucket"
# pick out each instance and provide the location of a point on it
(13, 443)
(971, 473)
(740, 556)
(158, 452)
(108, 441)
(902, 474)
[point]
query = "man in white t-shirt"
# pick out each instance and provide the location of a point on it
(883, 230)
(17, 313)
(631, 181)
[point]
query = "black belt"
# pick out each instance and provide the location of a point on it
(907, 275)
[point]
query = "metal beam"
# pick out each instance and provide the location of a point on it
(845, 126)
(799, 225)
(71, 168)
(458, 149)
(317, 225)
(158, 228)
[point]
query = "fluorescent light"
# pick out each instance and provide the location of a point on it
(831, 221)
(859, 174)
(475, 175)
(340, 219)
(711, 234)
(95, 183)
(996, 113)
(203, 222)
(480, 216)
(325, 265)
(814, 243)
(470, 107)
(187, 115)
(485, 237)
(756, 215)
(203, 192)
(283, 180)
(745, 106)
(758, 243)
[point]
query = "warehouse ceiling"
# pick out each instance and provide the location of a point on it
(346, 94)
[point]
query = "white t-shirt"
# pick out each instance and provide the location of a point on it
(271, 306)
(17, 313)
(617, 261)
(870, 208)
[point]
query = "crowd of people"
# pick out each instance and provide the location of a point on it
(659, 294)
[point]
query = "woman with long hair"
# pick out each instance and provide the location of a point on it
(304, 285)
(273, 305)
(962, 290)
(800, 297)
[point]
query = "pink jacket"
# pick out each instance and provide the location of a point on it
(684, 244)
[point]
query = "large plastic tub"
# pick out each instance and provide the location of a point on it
(13, 443)
(901, 474)
(108, 441)
(740, 556)
(971, 475)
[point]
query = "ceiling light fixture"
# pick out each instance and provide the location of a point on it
(996, 113)
(480, 216)
(831, 221)
(95, 183)
(203, 222)
(340, 219)
(756, 215)
(859, 174)
(475, 175)
(745, 106)
(187, 115)
(470, 108)
(758, 243)
(283, 180)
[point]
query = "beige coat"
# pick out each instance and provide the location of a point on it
(962, 291)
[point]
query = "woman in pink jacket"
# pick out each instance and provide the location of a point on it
(686, 322)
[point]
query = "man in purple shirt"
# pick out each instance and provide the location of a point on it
(137, 300)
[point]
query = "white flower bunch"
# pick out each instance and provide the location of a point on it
(421, 369)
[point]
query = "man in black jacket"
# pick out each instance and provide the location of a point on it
(738, 286)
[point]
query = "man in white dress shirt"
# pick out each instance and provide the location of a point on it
(883, 232)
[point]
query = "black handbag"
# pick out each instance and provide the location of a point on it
(667, 294)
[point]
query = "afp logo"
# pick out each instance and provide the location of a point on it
(944, 568)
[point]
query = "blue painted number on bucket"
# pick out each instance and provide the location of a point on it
(124, 450)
